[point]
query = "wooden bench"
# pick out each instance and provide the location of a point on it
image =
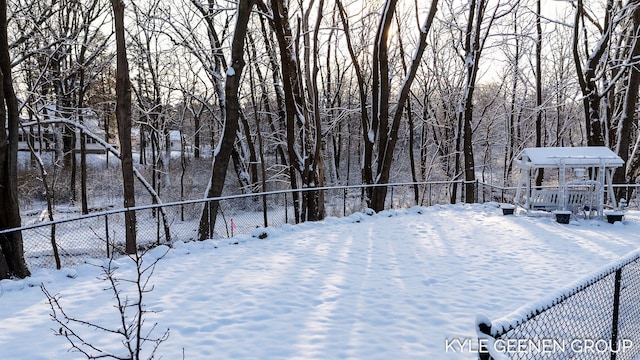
(548, 200)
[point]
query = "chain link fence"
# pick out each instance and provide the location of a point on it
(595, 319)
(72, 238)
(76, 237)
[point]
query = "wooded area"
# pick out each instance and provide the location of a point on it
(306, 93)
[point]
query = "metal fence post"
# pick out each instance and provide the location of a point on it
(344, 202)
(483, 352)
(106, 232)
(158, 227)
(616, 311)
(391, 196)
(286, 210)
(265, 211)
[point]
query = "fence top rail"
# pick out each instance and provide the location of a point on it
(228, 197)
(527, 312)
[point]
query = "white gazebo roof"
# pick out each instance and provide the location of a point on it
(555, 157)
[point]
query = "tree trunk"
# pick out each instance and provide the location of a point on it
(222, 153)
(294, 107)
(183, 168)
(83, 173)
(630, 172)
(467, 149)
(264, 96)
(510, 142)
(388, 146)
(587, 78)
(253, 157)
(380, 98)
(196, 135)
(12, 261)
(540, 175)
(316, 168)
(368, 134)
(83, 147)
(123, 117)
(473, 46)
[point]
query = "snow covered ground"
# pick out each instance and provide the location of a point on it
(398, 284)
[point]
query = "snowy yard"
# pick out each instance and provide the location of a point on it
(395, 285)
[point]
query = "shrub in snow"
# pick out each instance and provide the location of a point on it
(260, 233)
(131, 332)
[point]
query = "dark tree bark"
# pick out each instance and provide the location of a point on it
(380, 98)
(223, 152)
(387, 147)
(302, 160)
(409, 112)
(264, 93)
(510, 140)
(196, 134)
(632, 170)
(253, 157)
(243, 165)
(12, 261)
(315, 175)
(123, 117)
(378, 130)
(368, 136)
(472, 49)
(587, 77)
(540, 174)
(474, 41)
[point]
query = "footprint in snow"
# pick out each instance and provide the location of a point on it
(429, 282)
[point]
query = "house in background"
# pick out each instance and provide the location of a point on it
(48, 137)
(45, 141)
(92, 146)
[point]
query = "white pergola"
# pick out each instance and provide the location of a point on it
(583, 175)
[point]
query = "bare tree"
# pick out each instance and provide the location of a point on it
(151, 63)
(588, 74)
(89, 61)
(204, 25)
(133, 333)
(538, 73)
(377, 129)
(390, 138)
(12, 261)
(475, 36)
(123, 117)
(224, 148)
(631, 156)
(368, 137)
